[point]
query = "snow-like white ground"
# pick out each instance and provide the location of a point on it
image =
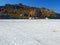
(29, 32)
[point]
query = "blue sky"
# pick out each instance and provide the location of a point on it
(50, 4)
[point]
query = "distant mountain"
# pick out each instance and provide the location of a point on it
(21, 11)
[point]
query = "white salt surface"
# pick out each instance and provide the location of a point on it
(29, 32)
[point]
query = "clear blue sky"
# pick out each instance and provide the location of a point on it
(50, 4)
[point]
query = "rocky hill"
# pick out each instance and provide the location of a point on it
(21, 11)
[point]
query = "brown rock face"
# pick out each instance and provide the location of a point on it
(18, 9)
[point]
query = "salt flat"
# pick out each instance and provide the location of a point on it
(29, 32)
